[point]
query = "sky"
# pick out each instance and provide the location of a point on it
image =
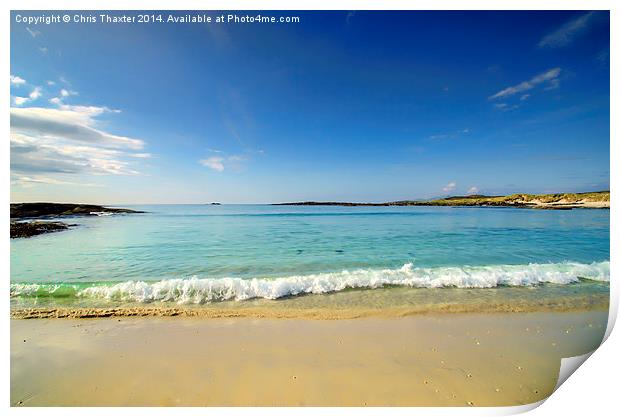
(363, 106)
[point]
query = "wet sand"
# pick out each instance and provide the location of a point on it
(492, 359)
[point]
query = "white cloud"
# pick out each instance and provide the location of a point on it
(15, 80)
(473, 190)
(35, 94)
(41, 155)
(20, 101)
(65, 93)
(76, 123)
(221, 162)
(450, 187)
(524, 97)
(550, 77)
(213, 162)
(49, 82)
(567, 32)
(50, 144)
(33, 33)
(43, 50)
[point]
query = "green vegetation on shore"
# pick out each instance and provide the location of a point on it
(598, 199)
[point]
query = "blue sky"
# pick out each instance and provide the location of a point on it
(347, 106)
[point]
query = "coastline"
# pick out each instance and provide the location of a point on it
(560, 201)
(496, 359)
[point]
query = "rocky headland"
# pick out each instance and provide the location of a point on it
(26, 217)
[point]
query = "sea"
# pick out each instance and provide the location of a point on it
(318, 256)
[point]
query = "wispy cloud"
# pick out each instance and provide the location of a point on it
(33, 33)
(30, 181)
(451, 186)
(216, 163)
(473, 190)
(567, 32)
(506, 106)
(449, 135)
(15, 80)
(548, 78)
(75, 124)
(220, 162)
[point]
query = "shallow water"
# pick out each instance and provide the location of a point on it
(204, 253)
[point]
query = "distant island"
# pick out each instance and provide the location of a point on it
(23, 215)
(561, 201)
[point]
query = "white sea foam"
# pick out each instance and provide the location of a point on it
(201, 290)
(100, 213)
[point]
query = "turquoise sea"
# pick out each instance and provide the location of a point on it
(202, 254)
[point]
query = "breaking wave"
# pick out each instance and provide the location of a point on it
(203, 290)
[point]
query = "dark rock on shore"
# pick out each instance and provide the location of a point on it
(28, 229)
(34, 210)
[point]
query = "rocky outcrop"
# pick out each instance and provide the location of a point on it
(28, 229)
(22, 214)
(34, 210)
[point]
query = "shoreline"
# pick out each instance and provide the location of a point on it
(585, 304)
(386, 302)
(426, 360)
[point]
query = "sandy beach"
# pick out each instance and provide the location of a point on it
(424, 360)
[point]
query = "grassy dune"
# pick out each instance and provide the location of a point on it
(599, 199)
(561, 201)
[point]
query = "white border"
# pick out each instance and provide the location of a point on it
(591, 391)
